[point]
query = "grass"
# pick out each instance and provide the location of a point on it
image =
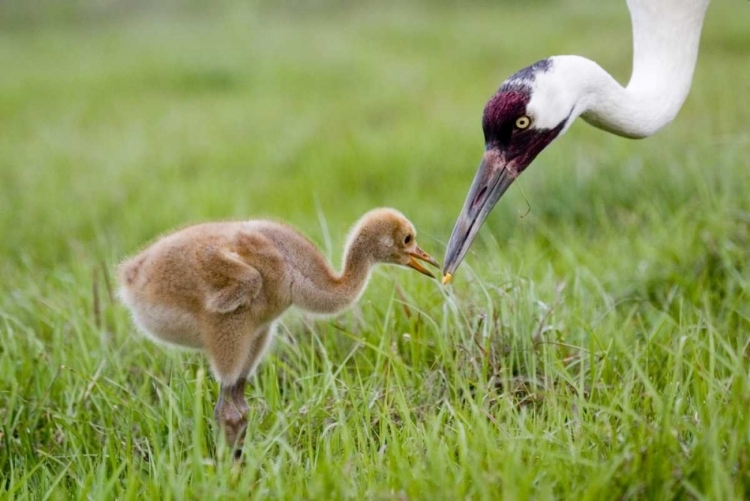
(595, 348)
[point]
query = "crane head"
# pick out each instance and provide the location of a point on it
(519, 121)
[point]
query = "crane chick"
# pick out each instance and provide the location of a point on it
(220, 286)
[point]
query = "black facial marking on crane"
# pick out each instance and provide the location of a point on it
(527, 75)
(519, 86)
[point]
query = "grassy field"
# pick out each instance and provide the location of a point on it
(594, 345)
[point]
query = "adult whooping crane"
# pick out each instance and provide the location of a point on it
(538, 104)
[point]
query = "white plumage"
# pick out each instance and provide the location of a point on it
(539, 103)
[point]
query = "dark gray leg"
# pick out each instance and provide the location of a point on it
(232, 409)
(232, 418)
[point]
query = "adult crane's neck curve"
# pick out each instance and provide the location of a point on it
(666, 38)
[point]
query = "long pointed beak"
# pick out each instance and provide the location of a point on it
(419, 254)
(492, 180)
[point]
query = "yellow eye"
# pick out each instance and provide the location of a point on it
(523, 122)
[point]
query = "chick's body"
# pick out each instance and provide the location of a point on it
(219, 287)
(176, 285)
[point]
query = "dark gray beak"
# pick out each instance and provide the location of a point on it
(492, 180)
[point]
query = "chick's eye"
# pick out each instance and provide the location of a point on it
(523, 122)
(407, 239)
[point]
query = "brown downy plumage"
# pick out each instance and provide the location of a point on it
(220, 286)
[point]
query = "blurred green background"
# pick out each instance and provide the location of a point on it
(120, 120)
(123, 119)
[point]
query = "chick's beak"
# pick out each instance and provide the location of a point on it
(420, 255)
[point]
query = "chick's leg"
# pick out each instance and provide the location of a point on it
(228, 340)
(233, 421)
(258, 347)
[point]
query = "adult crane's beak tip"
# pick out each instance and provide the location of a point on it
(491, 181)
(447, 278)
